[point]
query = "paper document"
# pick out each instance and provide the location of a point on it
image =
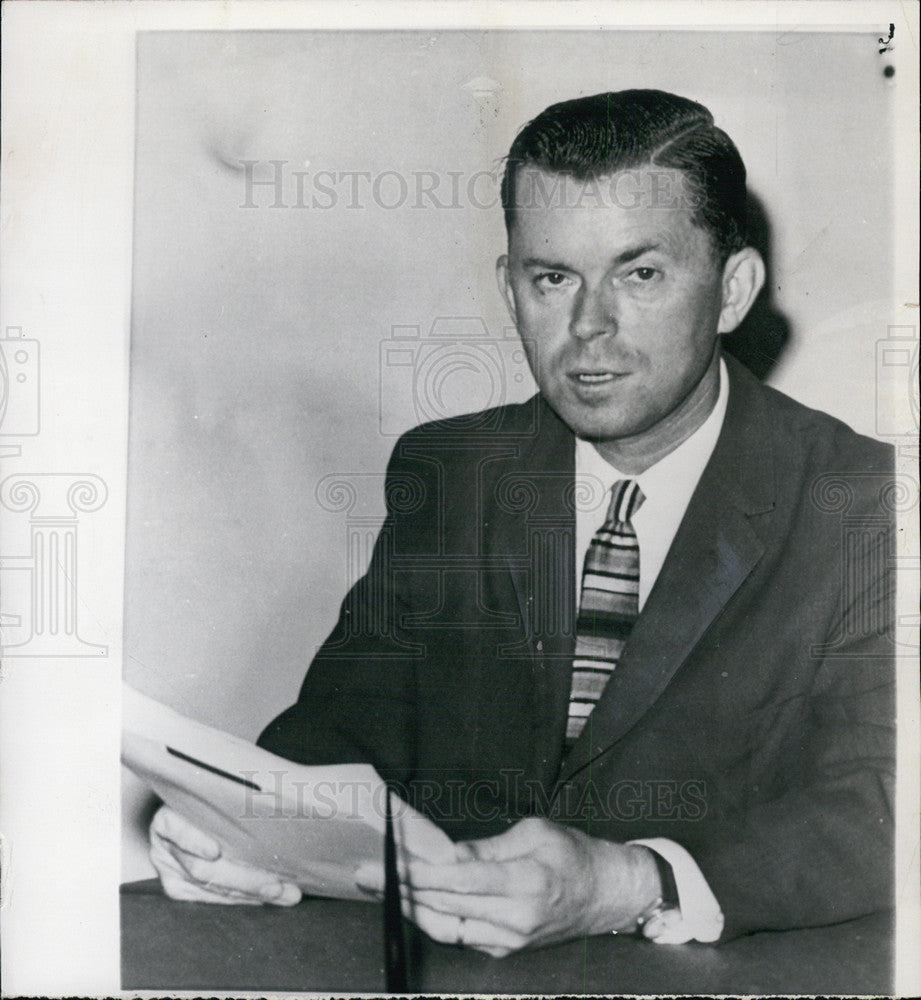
(311, 825)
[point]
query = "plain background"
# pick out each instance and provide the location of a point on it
(257, 333)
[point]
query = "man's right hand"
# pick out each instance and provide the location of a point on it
(191, 867)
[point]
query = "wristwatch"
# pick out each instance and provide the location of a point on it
(664, 903)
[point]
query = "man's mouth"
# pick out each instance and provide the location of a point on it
(594, 377)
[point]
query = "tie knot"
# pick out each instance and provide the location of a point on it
(626, 500)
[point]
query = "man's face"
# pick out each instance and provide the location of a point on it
(618, 302)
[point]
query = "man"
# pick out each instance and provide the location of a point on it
(668, 712)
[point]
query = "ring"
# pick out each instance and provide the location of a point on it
(460, 932)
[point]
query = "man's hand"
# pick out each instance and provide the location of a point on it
(191, 867)
(536, 884)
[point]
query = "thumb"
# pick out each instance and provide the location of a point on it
(175, 829)
(369, 876)
(464, 851)
(522, 838)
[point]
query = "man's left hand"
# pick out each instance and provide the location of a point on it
(536, 884)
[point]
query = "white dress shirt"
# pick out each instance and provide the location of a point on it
(667, 487)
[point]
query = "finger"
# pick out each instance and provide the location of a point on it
(170, 826)
(227, 876)
(521, 877)
(441, 920)
(479, 934)
(224, 878)
(464, 852)
(513, 914)
(163, 859)
(666, 927)
(476, 877)
(369, 876)
(522, 916)
(177, 887)
(494, 952)
(176, 882)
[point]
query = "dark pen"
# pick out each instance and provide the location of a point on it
(394, 943)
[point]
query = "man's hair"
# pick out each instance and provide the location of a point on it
(592, 137)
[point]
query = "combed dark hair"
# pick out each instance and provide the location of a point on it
(592, 137)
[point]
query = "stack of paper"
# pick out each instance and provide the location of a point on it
(311, 825)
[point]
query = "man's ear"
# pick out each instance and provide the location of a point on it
(505, 286)
(743, 276)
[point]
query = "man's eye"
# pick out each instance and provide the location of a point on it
(551, 279)
(644, 274)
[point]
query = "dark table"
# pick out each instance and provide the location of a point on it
(334, 946)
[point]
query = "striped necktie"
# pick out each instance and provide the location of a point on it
(609, 605)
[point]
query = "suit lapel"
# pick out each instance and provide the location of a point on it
(714, 551)
(532, 529)
(532, 532)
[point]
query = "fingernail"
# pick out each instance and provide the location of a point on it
(270, 893)
(366, 877)
(290, 894)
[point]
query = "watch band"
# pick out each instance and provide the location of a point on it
(666, 901)
(667, 878)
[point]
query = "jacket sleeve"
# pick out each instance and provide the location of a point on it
(821, 851)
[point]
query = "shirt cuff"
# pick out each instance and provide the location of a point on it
(699, 917)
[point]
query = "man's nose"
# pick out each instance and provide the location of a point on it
(593, 314)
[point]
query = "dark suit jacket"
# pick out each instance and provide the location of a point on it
(751, 718)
